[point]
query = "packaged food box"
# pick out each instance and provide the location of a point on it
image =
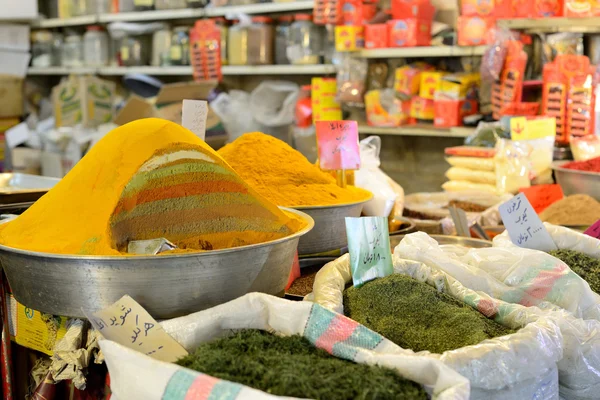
(407, 80)
(409, 32)
(459, 85)
(423, 109)
(419, 9)
(349, 38)
(478, 8)
(449, 113)
(472, 30)
(431, 82)
(581, 8)
(383, 109)
(85, 100)
(376, 36)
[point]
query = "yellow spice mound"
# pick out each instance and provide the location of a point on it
(283, 175)
(148, 179)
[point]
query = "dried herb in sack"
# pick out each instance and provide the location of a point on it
(583, 265)
(415, 316)
(292, 366)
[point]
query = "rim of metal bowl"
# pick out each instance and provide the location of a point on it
(354, 203)
(557, 165)
(310, 223)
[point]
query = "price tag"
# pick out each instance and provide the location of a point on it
(542, 196)
(524, 226)
(338, 145)
(594, 230)
(369, 248)
(193, 116)
(127, 323)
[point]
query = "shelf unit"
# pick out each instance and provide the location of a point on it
(558, 24)
(418, 130)
(186, 13)
(227, 70)
(425, 51)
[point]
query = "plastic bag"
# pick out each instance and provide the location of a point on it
(136, 376)
(272, 102)
(512, 274)
(373, 179)
(462, 186)
(351, 78)
(492, 61)
(466, 174)
(233, 109)
(507, 273)
(480, 164)
(517, 366)
(585, 148)
(513, 166)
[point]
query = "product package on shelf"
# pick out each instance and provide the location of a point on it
(383, 109)
(569, 96)
(473, 31)
(327, 12)
(324, 102)
(136, 375)
(456, 98)
(496, 367)
(85, 100)
(205, 52)
(349, 38)
(376, 36)
(509, 88)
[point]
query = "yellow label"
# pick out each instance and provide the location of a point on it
(124, 53)
(38, 331)
(523, 129)
(349, 38)
(175, 53)
(143, 3)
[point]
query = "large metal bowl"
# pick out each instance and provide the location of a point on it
(167, 286)
(329, 233)
(577, 182)
(443, 239)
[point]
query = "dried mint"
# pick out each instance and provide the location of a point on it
(415, 316)
(583, 265)
(292, 366)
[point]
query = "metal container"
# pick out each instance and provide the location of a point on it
(443, 239)
(329, 233)
(577, 182)
(408, 226)
(167, 286)
(19, 188)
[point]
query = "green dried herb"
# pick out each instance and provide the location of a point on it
(583, 265)
(415, 316)
(292, 366)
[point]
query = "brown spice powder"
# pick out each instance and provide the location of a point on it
(578, 209)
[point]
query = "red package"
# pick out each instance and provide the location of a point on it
(327, 12)
(205, 50)
(509, 88)
(352, 12)
(409, 32)
(449, 113)
(472, 31)
(419, 9)
(542, 196)
(294, 272)
(470, 151)
(376, 36)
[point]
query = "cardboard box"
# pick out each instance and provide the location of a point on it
(449, 113)
(85, 100)
(419, 9)
(472, 31)
(376, 36)
(457, 86)
(431, 82)
(478, 8)
(11, 96)
(349, 38)
(18, 10)
(409, 32)
(421, 108)
(167, 104)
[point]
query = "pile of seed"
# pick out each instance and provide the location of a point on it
(292, 366)
(415, 316)
(583, 265)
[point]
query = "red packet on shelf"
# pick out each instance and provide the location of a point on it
(205, 50)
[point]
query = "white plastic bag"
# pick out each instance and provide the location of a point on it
(272, 103)
(517, 366)
(233, 109)
(136, 376)
(506, 272)
(373, 179)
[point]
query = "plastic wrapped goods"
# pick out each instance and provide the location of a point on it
(135, 375)
(516, 366)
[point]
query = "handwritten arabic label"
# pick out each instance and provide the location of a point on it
(524, 226)
(337, 142)
(594, 230)
(369, 248)
(127, 323)
(193, 116)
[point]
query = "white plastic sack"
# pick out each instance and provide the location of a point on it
(517, 366)
(528, 277)
(136, 376)
(370, 177)
(272, 103)
(233, 109)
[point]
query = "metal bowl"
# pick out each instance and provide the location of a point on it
(443, 239)
(167, 286)
(408, 226)
(577, 182)
(329, 233)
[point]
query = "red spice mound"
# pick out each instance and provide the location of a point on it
(591, 165)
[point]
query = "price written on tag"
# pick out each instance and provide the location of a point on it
(130, 325)
(594, 230)
(369, 248)
(337, 142)
(524, 226)
(193, 116)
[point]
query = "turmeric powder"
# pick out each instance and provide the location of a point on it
(150, 178)
(283, 175)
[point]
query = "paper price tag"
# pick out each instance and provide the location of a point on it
(524, 226)
(369, 248)
(337, 142)
(193, 116)
(127, 323)
(594, 230)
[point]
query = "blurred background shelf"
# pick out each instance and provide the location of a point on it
(558, 24)
(424, 51)
(418, 130)
(60, 71)
(265, 8)
(62, 22)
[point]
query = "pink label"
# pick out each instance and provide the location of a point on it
(338, 145)
(594, 230)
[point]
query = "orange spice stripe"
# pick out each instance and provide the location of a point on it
(180, 190)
